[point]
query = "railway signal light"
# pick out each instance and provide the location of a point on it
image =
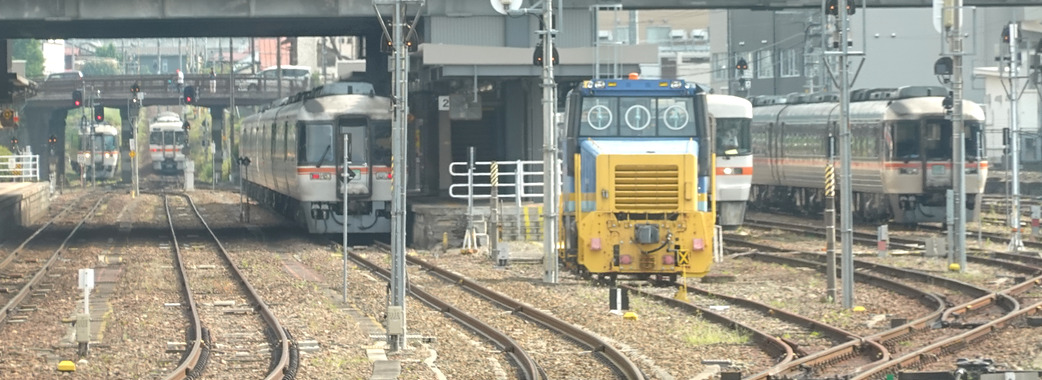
(14, 141)
(99, 113)
(52, 140)
(537, 56)
(742, 65)
(8, 119)
(832, 7)
(135, 88)
(189, 95)
(77, 98)
(1005, 34)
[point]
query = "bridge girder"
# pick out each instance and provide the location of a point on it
(259, 18)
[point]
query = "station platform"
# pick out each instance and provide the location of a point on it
(441, 224)
(21, 205)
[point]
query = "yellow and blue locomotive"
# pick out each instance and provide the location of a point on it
(637, 159)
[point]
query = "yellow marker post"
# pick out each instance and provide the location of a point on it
(66, 366)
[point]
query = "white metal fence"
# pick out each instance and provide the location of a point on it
(22, 168)
(518, 181)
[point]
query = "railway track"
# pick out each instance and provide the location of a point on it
(978, 309)
(493, 304)
(23, 270)
(232, 332)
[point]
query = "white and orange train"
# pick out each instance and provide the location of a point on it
(296, 148)
(901, 153)
(167, 139)
(98, 155)
(731, 118)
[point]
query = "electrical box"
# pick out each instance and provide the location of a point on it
(395, 317)
(82, 328)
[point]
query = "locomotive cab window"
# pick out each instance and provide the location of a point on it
(637, 117)
(937, 140)
(906, 140)
(972, 136)
(356, 129)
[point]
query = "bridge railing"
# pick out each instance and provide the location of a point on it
(247, 85)
(20, 168)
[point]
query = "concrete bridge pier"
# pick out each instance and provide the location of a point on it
(217, 136)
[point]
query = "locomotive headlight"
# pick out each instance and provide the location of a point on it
(598, 84)
(728, 171)
(383, 175)
(588, 84)
(674, 84)
(912, 171)
(108, 155)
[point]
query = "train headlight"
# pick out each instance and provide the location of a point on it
(675, 84)
(383, 175)
(912, 171)
(667, 260)
(108, 155)
(588, 84)
(728, 171)
(625, 260)
(598, 84)
(86, 155)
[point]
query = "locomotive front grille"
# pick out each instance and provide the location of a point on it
(641, 188)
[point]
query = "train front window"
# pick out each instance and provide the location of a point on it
(972, 138)
(732, 136)
(906, 140)
(316, 146)
(598, 117)
(381, 148)
(937, 140)
(104, 142)
(637, 117)
(180, 137)
(155, 138)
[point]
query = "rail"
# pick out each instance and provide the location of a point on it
(20, 168)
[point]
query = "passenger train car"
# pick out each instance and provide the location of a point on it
(296, 149)
(635, 153)
(167, 140)
(901, 153)
(731, 118)
(98, 155)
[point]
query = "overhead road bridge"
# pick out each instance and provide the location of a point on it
(208, 18)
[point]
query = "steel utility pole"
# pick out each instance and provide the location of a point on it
(550, 190)
(952, 18)
(396, 321)
(1015, 243)
(839, 38)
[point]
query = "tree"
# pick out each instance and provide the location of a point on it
(98, 67)
(32, 52)
(107, 51)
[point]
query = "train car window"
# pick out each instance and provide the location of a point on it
(637, 117)
(598, 117)
(274, 132)
(180, 138)
(316, 144)
(168, 138)
(675, 117)
(285, 141)
(155, 138)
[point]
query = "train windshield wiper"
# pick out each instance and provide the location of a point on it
(323, 158)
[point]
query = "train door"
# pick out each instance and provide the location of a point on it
(937, 153)
(358, 156)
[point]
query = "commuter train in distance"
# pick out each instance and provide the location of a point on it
(98, 154)
(637, 164)
(167, 140)
(731, 117)
(296, 153)
(901, 153)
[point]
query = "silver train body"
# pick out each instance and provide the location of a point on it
(98, 156)
(296, 152)
(731, 118)
(166, 143)
(901, 149)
